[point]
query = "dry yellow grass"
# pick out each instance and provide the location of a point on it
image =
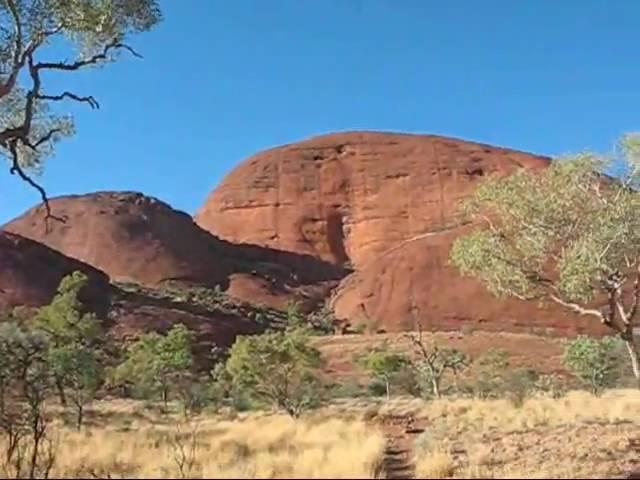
(578, 436)
(436, 463)
(250, 446)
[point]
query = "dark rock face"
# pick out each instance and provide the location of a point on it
(30, 273)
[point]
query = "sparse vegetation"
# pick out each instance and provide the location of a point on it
(210, 299)
(576, 436)
(271, 446)
(279, 369)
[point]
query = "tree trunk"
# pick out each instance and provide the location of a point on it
(79, 415)
(165, 396)
(634, 354)
(388, 387)
(435, 384)
(61, 394)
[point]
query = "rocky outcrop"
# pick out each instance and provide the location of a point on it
(349, 197)
(387, 205)
(135, 238)
(414, 283)
(130, 236)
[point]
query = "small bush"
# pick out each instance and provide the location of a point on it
(277, 368)
(552, 385)
(384, 365)
(519, 384)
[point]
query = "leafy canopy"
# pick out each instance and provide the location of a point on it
(383, 363)
(64, 320)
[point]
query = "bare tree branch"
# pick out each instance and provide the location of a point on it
(17, 169)
(114, 45)
(93, 103)
(10, 137)
(633, 310)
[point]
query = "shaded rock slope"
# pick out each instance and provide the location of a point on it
(135, 238)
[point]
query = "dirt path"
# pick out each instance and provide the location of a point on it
(398, 458)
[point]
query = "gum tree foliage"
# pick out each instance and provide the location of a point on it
(567, 235)
(158, 363)
(91, 32)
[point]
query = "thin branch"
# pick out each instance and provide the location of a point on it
(636, 296)
(9, 137)
(17, 169)
(93, 103)
(45, 138)
(114, 45)
(577, 308)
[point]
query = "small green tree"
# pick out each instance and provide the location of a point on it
(25, 384)
(82, 375)
(593, 361)
(277, 367)
(383, 364)
(156, 363)
(75, 342)
(432, 362)
(566, 235)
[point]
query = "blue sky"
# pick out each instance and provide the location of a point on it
(224, 79)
